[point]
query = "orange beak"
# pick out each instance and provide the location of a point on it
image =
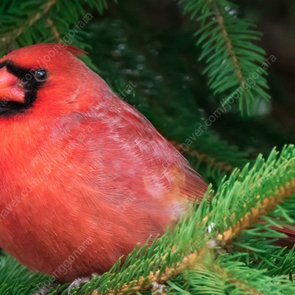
(10, 87)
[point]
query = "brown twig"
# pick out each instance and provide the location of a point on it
(263, 208)
(228, 42)
(53, 29)
(242, 285)
(142, 284)
(204, 158)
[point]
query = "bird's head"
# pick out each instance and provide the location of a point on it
(46, 77)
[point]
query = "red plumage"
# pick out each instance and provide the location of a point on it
(81, 164)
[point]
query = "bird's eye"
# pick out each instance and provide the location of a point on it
(41, 75)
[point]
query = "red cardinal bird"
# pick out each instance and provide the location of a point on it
(84, 176)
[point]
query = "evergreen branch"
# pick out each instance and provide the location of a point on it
(245, 287)
(250, 188)
(15, 278)
(202, 157)
(231, 52)
(53, 29)
(264, 245)
(255, 279)
(252, 281)
(230, 56)
(263, 208)
(143, 283)
(225, 275)
(222, 275)
(32, 18)
(26, 23)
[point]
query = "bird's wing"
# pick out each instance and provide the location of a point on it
(133, 155)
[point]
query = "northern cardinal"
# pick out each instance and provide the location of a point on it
(84, 176)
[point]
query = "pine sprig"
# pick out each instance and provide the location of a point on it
(227, 276)
(253, 193)
(16, 279)
(37, 21)
(229, 50)
(25, 20)
(264, 245)
(252, 281)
